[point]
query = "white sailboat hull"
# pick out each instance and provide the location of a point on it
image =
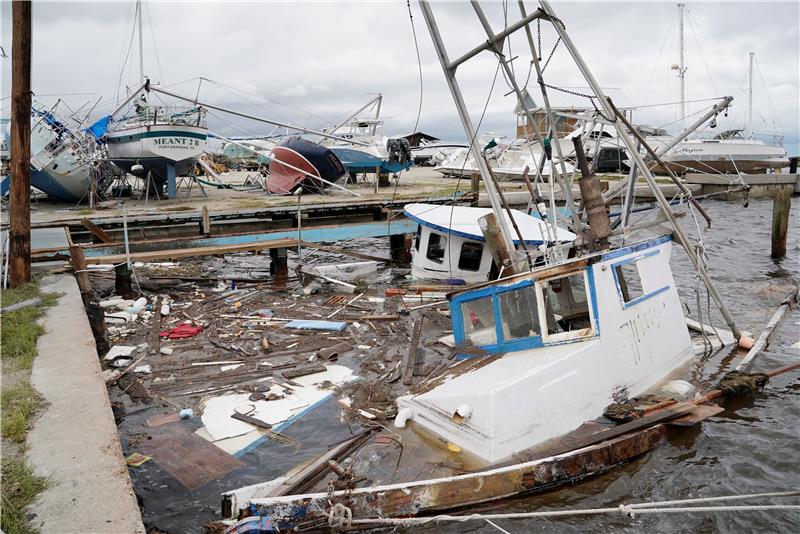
(721, 155)
(156, 145)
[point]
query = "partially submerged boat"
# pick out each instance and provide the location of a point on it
(450, 245)
(300, 165)
(547, 358)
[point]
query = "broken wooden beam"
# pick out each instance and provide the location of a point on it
(96, 231)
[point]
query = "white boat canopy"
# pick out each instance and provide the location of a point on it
(462, 221)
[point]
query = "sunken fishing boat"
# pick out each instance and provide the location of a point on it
(564, 365)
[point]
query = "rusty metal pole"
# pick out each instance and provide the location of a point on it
(19, 249)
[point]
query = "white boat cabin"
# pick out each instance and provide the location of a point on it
(450, 245)
(565, 342)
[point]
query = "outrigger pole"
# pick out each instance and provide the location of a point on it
(449, 68)
(638, 160)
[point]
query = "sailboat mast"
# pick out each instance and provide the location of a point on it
(749, 131)
(682, 65)
(141, 51)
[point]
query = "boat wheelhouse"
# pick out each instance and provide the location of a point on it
(450, 245)
(609, 325)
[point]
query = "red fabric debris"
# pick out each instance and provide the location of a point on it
(182, 331)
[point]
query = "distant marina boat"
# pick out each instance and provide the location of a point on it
(450, 245)
(298, 163)
(370, 149)
(507, 161)
(729, 153)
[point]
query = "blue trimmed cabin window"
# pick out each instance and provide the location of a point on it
(632, 287)
(437, 244)
(470, 257)
(520, 313)
(479, 322)
(527, 315)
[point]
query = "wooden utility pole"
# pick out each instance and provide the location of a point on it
(19, 249)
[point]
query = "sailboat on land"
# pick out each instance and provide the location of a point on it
(156, 140)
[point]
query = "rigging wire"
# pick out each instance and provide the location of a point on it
(419, 66)
(702, 55)
(658, 58)
(155, 46)
(127, 54)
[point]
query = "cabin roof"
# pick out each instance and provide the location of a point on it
(462, 221)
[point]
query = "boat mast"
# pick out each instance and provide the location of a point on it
(141, 51)
(449, 69)
(682, 66)
(749, 131)
(638, 160)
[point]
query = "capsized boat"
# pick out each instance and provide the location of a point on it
(362, 146)
(298, 163)
(561, 329)
(449, 244)
(62, 159)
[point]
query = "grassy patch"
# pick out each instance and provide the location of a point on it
(20, 402)
(84, 211)
(20, 487)
(21, 328)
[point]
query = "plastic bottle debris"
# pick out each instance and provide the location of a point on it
(186, 413)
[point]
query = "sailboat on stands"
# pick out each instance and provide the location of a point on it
(158, 141)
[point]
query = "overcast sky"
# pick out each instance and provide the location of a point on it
(314, 62)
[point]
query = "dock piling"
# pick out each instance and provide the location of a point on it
(780, 221)
(94, 312)
(278, 262)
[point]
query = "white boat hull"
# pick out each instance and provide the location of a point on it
(721, 155)
(496, 407)
(157, 145)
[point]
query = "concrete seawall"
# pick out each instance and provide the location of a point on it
(74, 442)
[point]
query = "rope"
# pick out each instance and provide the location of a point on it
(628, 510)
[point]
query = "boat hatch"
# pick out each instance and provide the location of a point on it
(528, 313)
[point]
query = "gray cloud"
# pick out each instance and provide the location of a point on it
(328, 57)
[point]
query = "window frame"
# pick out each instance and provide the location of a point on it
(440, 237)
(591, 303)
(645, 295)
(467, 242)
(543, 339)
